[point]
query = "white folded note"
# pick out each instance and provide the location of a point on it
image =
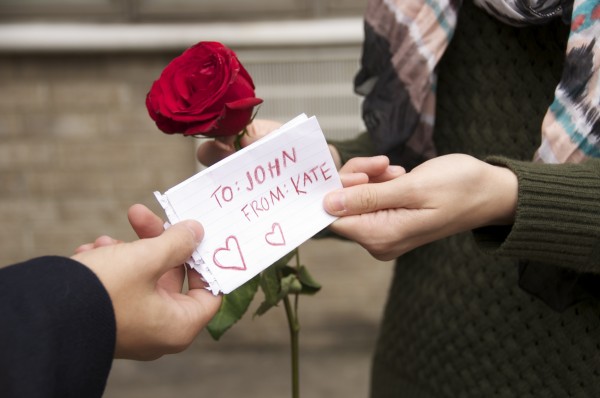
(257, 204)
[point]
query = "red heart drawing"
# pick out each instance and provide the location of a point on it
(275, 237)
(230, 256)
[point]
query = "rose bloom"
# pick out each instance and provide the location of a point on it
(205, 91)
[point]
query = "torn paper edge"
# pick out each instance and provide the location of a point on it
(195, 262)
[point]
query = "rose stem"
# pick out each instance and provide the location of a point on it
(294, 326)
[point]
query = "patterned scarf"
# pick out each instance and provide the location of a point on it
(418, 33)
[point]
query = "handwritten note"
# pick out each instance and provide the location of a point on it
(258, 204)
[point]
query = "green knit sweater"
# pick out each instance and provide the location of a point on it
(456, 323)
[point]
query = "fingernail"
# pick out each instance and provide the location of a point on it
(335, 202)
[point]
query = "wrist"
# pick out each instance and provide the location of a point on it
(503, 191)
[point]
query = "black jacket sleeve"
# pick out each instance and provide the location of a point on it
(57, 331)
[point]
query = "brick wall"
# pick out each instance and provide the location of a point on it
(77, 149)
(175, 10)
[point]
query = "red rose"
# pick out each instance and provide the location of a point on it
(205, 90)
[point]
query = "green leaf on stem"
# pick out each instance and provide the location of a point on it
(270, 283)
(309, 285)
(233, 307)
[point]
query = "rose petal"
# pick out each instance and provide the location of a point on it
(206, 90)
(202, 128)
(244, 103)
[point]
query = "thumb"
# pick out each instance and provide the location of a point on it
(360, 199)
(174, 246)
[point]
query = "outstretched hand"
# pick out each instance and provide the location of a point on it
(443, 196)
(144, 280)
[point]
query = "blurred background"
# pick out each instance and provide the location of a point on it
(77, 148)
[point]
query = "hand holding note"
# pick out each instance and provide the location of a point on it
(211, 151)
(144, 280)
(258, 204)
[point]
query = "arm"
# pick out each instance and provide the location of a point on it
(65, 318)
(360, 146)
(57, 334)
(441, 197)
(144, 280)
(546, 213)
(557, 219)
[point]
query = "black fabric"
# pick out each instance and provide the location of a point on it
(495, 85)
(456, 323)
(57, 334)
(387, 111)
(558, 287)
(509, 113)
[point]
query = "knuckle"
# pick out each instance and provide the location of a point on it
(368, 199)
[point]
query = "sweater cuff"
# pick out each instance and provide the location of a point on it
(360, 146)
(558, 215)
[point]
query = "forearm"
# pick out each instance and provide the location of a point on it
(360, 146)
(58, 331)
(557, 219)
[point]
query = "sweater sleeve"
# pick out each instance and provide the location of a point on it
(57, 335)
(360, 146)
(558, 216)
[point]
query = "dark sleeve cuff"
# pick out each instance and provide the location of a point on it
(361, 146)
(556, 234)
(58, 330)
(558, 216)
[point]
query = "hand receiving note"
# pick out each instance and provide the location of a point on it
(258, 204)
